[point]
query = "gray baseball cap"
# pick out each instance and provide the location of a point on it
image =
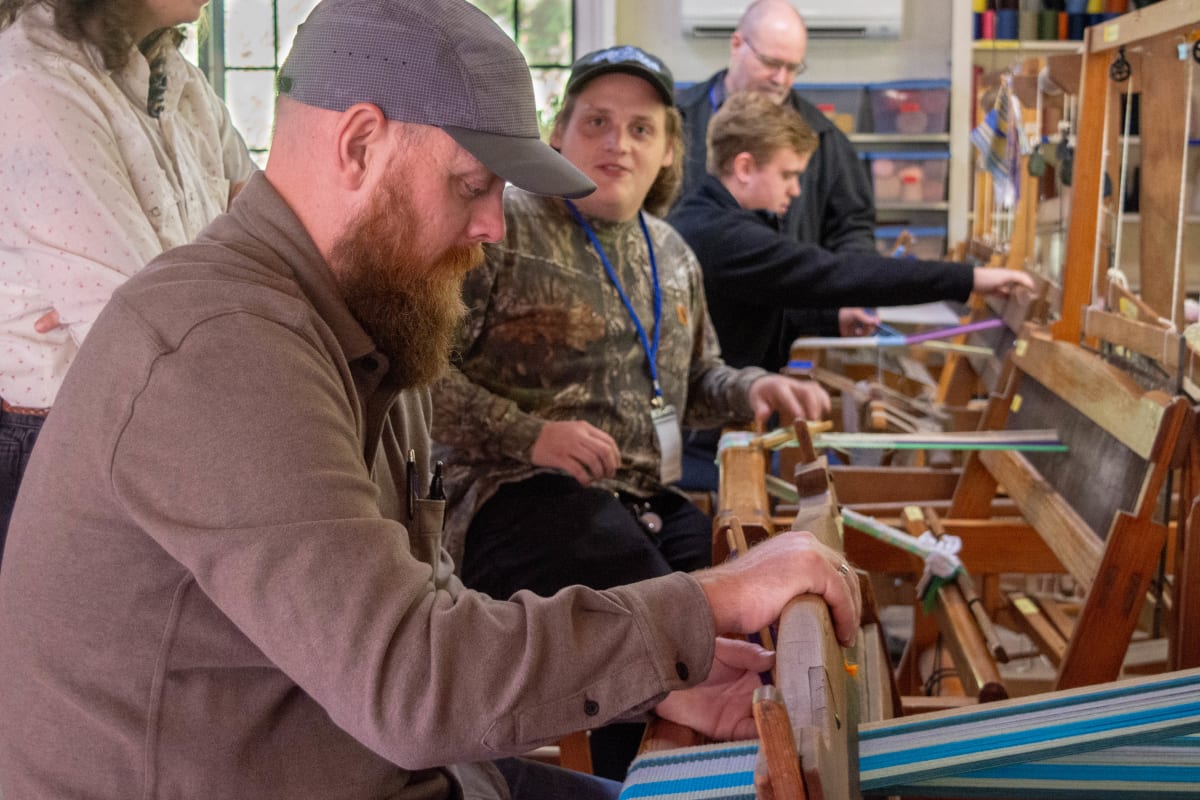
(433, 62)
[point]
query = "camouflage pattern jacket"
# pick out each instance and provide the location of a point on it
(548, 338)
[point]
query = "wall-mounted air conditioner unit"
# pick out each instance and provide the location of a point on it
(826, 19)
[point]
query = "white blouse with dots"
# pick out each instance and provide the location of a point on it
(92, 188)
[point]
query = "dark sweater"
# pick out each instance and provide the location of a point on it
(836, 206)
(754, 275)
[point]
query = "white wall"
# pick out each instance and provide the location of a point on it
(922, 51)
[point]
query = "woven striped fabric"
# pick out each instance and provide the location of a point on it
(1133, 740)
(1169, 769)
(1031, 731)
(707, 772)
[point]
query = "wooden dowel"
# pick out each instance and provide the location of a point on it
(967, 587)
(972, 658)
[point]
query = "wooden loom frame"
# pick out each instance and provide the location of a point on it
(819, 705)
(1152, 30)
(1116, 565)
(820, 733)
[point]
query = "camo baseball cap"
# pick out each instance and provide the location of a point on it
(628, 59)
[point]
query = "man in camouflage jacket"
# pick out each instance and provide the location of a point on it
(559, 444)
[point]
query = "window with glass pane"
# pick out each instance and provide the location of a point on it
(244, 42)
(545, 32)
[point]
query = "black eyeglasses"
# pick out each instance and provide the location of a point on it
(774, 64)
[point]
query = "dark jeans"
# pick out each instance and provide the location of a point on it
(549, 532)
(18, 433)
(700, 472)
(529, 780)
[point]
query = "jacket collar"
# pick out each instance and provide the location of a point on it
(265, 215)
(712, 188)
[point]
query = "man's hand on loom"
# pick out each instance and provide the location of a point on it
(793, 399)
(578, 448)
(856, 322)
(994, 280)
(722, 707)
(749, 592)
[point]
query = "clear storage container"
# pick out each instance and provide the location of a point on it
(910, 107)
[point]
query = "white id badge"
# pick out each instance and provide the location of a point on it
(670, 443)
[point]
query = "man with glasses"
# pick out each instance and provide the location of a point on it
(835, 208)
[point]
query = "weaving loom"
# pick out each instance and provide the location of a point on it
(1089, 512)
(1084, 743)
(1133, 739)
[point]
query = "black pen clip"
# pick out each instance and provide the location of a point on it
(437, 491)
(411, 478)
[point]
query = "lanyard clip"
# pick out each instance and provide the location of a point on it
(657, 400)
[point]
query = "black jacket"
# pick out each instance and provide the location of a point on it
(836, 206)
(754, 274)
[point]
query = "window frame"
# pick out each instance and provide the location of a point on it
(592, 27)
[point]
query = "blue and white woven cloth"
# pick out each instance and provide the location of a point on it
(1129, 740)
(707, 772)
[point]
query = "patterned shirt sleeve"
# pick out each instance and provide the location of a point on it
(717, 393)
(498, 427)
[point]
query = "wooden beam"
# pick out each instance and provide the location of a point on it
(1167, 17)
(1057, 615)
(893, 484)
(989, 546)
(812, 678)
(1075, 544)
(1164, 92)
(920, 704)
(778, 747)
(662, 734)
(1099, 391)
(977, 488)
(1111, 609)
(973, 660)
(575, 752)
(1086, 187)
(1152, 341)
(1064, 70)
(1185, 651)
(743, 495)
(1038, 627)
(1000, 507)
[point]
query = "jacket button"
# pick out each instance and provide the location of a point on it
(681, 670)
(591, 708)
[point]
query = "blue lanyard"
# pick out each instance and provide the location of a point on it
(651, 351)
(712, 98)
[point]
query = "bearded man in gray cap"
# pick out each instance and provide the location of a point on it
(224, 577)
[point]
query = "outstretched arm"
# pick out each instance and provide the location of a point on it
(993, 280)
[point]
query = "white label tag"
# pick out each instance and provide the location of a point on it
(670, 443)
